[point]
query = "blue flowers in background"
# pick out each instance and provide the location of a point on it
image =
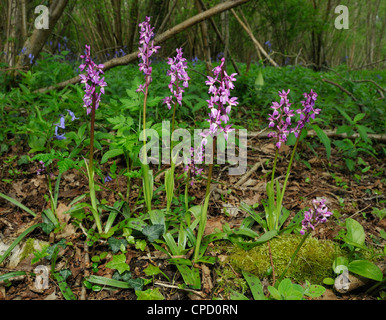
(61, 124)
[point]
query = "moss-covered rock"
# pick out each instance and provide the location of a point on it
(313, 261)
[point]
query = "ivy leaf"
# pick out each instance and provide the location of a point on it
(152, 270)
(150, 294)
(115, 244)
(153, 232)
(119, 263)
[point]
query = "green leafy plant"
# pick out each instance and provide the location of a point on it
(287, 290)
(362, 144)
(354, 239)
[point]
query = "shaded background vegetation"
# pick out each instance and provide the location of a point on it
(291, 31)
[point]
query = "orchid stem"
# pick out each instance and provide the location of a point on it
(304, 238)
(91, 170)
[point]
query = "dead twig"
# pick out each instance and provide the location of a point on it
(248, 174)
(167, 285)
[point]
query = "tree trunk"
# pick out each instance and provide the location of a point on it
(133, 22)
(205, 41)
(116, 4)
(10, 46)
(224, 41)
(158, 40)
(35, 43)
(23, 19)
(166, 19)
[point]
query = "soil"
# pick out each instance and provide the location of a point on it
(348, 196)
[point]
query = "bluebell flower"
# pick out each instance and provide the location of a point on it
(61, 123)
(72, 115)
(60, 137)
(108, 179)
(31, 58)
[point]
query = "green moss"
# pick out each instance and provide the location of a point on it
(313, 261)
(227, 280)
(28, 248)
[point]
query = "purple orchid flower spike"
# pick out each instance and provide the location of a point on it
(195, 157)
(177, 75)
(92, 80)
(146, 50)
(315, 216)
(280, 119)
(220, 103)
(308, 112)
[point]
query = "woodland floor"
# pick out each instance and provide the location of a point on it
(303, 186)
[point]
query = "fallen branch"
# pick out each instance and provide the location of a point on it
(341, 88)
(166, 285)
(158, 40)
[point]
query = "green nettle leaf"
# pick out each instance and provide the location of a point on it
(366, 269)
(119, 263)
(345, 129)
(363, 133)
(359, 117)
(355, 231)
(111, 154)
(350, 164)
(324, 139)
